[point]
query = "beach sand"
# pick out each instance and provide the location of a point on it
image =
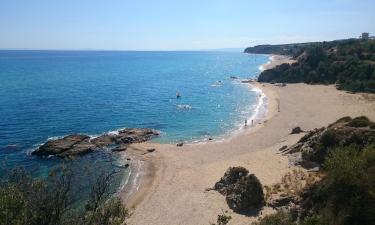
(172, 189)
(276, 60)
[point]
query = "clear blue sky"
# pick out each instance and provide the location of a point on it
(178, 25)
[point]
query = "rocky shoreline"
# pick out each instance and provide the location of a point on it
(79, 144)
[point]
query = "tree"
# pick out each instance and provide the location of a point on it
(49, 201)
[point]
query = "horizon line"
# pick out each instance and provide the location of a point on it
(120, 50)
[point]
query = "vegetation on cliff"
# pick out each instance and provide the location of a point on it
(286, 49)
(51, 201)
(350, 64)
(345, 194)
(318, 143)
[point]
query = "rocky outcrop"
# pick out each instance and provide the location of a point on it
(231, 176)
(312, 148)
(79, 144)
(242, 190)
(69, 145)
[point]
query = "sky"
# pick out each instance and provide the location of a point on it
(177, 24)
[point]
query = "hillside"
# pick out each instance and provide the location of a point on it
(285, 49)
(350, 64)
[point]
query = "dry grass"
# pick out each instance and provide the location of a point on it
(292, 183)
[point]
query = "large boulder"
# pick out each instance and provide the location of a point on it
(242, 190)
(230, 178)
(246, 193)
(79, 144)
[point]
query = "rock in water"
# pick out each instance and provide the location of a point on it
(78, 144)
(70, 143)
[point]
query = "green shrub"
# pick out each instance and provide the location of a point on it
(222, 219)
(112, 212)
(13, 206)
(330, 138)
(361, 121)
(344, 119)
(280, 218)
(315, 220)
(349, 186)
(345, 63)
(27, 201)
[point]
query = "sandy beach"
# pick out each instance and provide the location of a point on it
(276, 60)
(173, 180)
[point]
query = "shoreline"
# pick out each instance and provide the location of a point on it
(137, 179)
(132, 198)
(172, 189)
(153, 164)
(275, 60)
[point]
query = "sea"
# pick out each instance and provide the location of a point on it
(45, 95)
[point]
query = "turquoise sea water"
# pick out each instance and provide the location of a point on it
(47, 94)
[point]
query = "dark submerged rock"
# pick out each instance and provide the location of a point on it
(10, 147)
(79, 144)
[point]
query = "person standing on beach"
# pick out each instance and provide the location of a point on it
(245, 123)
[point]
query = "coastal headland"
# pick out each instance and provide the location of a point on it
(172, 182)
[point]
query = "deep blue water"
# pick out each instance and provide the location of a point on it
(46, 94)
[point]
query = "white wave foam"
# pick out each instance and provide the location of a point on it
(270, 59)
(259, 111)
(184, 107)
(53, 138)
(261, 108)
